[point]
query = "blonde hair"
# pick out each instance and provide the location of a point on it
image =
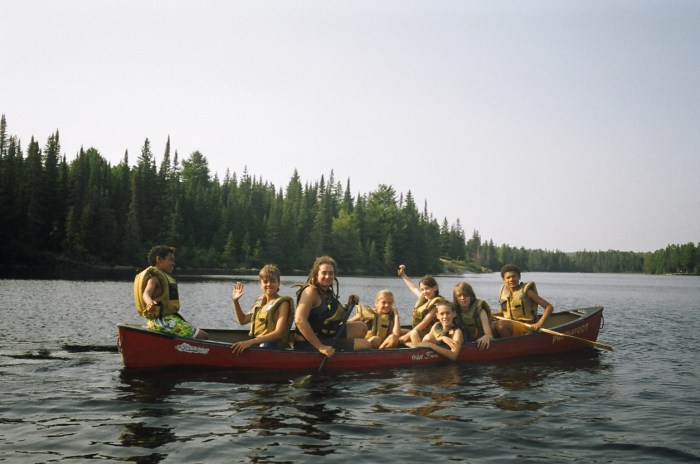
(270, 272)
(386, 294)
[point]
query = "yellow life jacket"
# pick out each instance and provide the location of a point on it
(422, 308)
(471, 318)
(264, 318)
(437, 331)
(382, 324)
(169, 300)
(366, 314)
(516, 305)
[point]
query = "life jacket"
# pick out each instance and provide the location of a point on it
(516, 305)
(382, 324)
(366, 314)
(437, 331)
(470, 320)
(168, 301)
(264, 318)
(422, 308)
(325, 318)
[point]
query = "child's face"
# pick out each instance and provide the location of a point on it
(384, 305)
(445, 315)
(269, 287)
(463, 299)
(428, 292)
(166, 264)
(511, 279)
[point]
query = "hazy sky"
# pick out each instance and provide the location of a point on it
(563, 125)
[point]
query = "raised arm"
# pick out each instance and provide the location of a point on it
(407, 281)
(236, 295)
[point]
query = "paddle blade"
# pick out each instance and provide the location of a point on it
(301, 382)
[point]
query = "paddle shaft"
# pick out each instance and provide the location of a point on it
(559, 334)
(342, 327)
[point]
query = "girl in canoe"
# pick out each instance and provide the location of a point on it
(319, 314)
(445, 337)
(423, 315)
(473, 314)
(383, 326)
(271, 315)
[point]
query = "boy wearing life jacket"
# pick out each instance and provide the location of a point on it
(519, 302)
(271, 315)
(157, 298)
(445, 337)
(383, 326)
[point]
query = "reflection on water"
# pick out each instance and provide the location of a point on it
(264, 408)
(66, 398)
(142, 436)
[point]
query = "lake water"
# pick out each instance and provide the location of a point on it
(66, 399)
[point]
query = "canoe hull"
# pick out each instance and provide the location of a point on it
(143, 349)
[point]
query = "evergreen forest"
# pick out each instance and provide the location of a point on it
(85, 211)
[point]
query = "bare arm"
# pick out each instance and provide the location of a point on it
(407, 281)
(427, 321)
(280, 327)
(309, 299)
(485, 341)
(236, 295)
(548, 309)
(152, 291)
(392, 340)
(396, 330)
(413, 335)
(455, 343)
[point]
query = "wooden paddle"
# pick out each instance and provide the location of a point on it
(305, 379)
(559, 334)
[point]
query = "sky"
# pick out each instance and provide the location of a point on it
(560, 125)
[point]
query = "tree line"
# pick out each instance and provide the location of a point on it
(88, 211)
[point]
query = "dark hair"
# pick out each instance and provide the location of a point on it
(159, 250)
(321, 260)
(430, 281)
(510, 268)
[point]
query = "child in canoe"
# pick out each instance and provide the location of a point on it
(445, 337)
(474, 315)
(423, 315)
(384, 328)
(271, 315)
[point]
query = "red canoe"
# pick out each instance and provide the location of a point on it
(143, 349)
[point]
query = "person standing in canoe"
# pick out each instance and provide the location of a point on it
(157, 297)
(445, 336)
(473, 314)
(383, 325)
(319, 314)
(271, 315)
(519, 302)
(423, 315)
